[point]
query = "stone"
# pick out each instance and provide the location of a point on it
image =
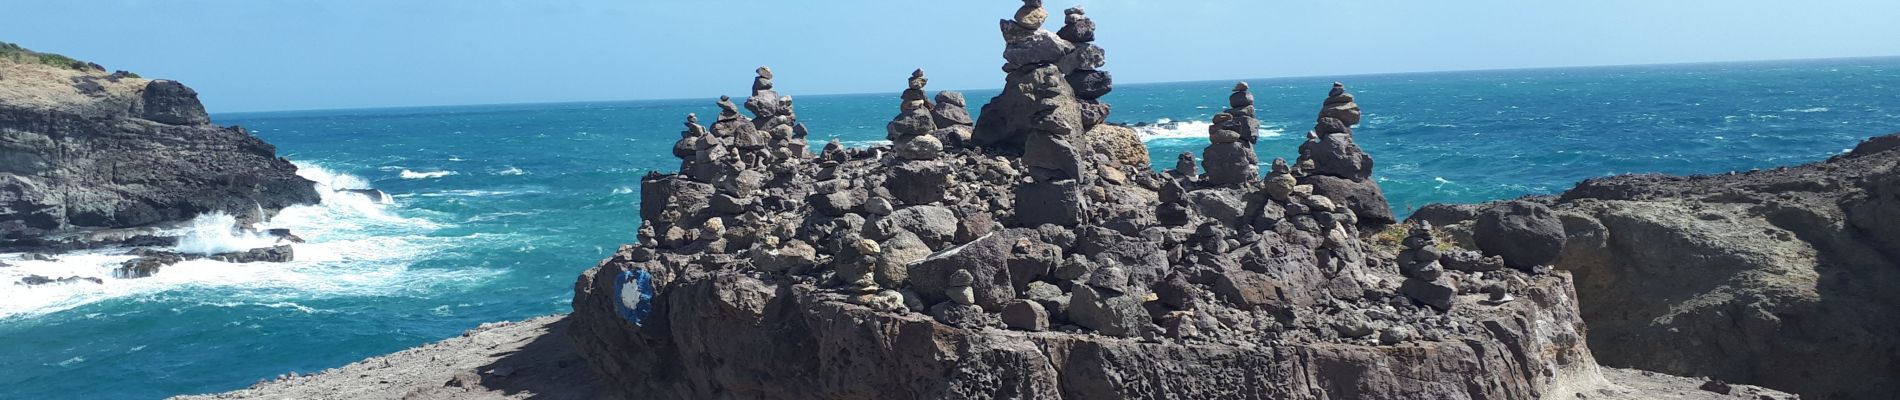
(1031, 16)
(1525, 234)
(961, 295)
(1026, 315)
(1364, 198)
(1439, 295)
(919, 182)
(922, 147)
(950, 111)
(1078, 27)
(1184, 165)
(1091, 85)
(1059, 203)
(961, 315)
(1084, 57)
(1336, 155)
(1038, 49)
(1230, 163)
(170, 102)
(1108, 314)
(878, 206)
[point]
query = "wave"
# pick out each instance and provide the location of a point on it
(354, 246)
(1165, 129)
(218, 232)
(1807, 110)
(407, 174)
(511, 171)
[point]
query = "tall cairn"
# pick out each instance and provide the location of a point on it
(1336, 167)
(1229, 158)
(1041, 115)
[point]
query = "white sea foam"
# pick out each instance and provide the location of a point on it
(355, 247)
(1165, 129)
(218, 232)
(407, 174)
(511, 171)
(1807, 110)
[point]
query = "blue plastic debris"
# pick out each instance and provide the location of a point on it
(634, 306)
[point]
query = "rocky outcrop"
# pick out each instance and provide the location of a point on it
(83, 150)
(1051, 271)
(1770, 277)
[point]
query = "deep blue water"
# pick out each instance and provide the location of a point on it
(497, 208)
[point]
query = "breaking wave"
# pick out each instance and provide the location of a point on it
(407, 174)
(1166, 129)
(355, 246)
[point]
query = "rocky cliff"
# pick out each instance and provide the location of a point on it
(1021, 255)
(1773, 277)
(84, 149)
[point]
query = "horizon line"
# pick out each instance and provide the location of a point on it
(1366, 74)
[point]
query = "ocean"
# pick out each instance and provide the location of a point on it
(495, 209)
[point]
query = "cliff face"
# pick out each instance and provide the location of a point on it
(1018, 256)
(83, 149)
(1776, 277)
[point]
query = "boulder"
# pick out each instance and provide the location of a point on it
(1526, 234)
(170, 102)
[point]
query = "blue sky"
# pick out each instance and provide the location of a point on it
(250, 55)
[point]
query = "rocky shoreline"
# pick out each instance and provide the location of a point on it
(95, 161)
(1032, 251)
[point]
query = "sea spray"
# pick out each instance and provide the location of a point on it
(217, 232)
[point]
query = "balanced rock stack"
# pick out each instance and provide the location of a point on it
(952, 116)
(911, 131)
(1082, 67)
(1229, 156)
(1418, 262)
(773, 115)
(1336, 167)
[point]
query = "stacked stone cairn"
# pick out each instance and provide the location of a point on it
(911, 131)
(1418, 262)
(774, 115)
(1041, 115)
(1336, 167)
(1230, 157)
(1082, 67)
(952, 116)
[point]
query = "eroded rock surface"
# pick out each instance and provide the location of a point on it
(1773, 277)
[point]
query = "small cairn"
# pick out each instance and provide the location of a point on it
(1280, 183)
(774, 116)
(910, 131)
(952, 116)
(1230, 158)
(1418, 261)
(1336, 167)
(961, 310)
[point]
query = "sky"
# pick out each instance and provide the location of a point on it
(258, 55)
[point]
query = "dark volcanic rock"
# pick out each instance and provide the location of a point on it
(137, 153)
(1760, 277)
(172, 103)
(1526, 234)
(1044, 271)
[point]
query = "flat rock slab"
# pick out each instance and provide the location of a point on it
(532, 359)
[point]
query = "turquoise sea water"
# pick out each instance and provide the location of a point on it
(497, 208)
